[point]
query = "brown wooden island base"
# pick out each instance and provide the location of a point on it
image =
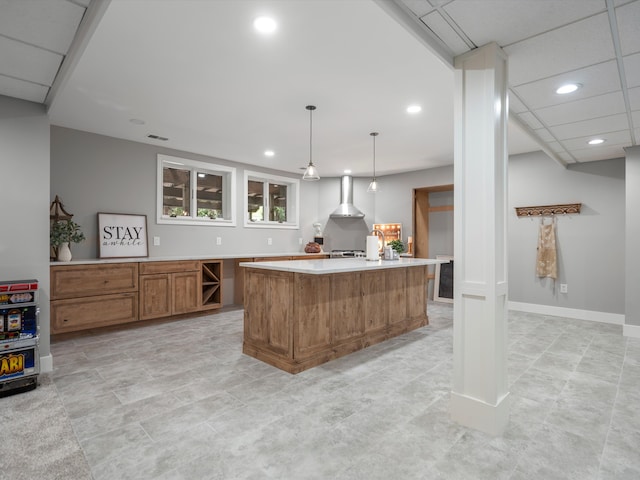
(295, 321)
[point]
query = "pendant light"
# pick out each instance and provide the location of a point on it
(311, 173)
(373, 186)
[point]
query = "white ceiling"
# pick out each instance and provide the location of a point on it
(197, 73)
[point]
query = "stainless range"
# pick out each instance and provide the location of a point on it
(348, 254)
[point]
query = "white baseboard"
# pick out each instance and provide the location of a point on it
(46, 364)
(631, 331)
(593, 316)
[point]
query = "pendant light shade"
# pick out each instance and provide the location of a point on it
(373, 186)
(311, 173)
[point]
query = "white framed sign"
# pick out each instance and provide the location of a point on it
(122, 235)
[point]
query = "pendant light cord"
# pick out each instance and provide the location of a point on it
(310, 134)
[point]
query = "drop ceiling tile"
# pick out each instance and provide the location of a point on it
(444, 32)
(595, 154)
(595, 80)
(530, 119)
(508, 22)
(515, 105)
(26, 62)
(83, 2)
(593, 107)
(544, 135)
(12, 87)
(567, 157)
(636, 119)
(632, 70)
(575, 46)
(628, 17)
(595, 126)
(621, 137)
(418, 7)
(51, 24)
(634, 98)
(556, 147)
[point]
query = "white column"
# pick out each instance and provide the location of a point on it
(480, 396)
(632, 240)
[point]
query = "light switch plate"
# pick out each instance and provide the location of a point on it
(269, 241)
(564, 288)
(218, 240)
(156, 241)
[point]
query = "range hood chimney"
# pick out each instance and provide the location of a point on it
(346, 209)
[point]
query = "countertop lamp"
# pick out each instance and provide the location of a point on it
(311, 173)
(373, 186)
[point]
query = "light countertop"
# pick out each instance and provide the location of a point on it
(340, 265)
(226, 256)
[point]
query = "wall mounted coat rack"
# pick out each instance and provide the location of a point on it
(543, 210)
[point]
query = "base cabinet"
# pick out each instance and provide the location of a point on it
(295, 321)
(87, 296)
(99, 295)
(169, 288)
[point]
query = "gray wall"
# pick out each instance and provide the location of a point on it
(632, 244)
(24, 196)
(94, 173)
(590, 245)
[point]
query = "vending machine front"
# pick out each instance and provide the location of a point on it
(19, 329)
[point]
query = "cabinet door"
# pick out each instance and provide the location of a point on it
(155, 296)
(75, 314)
(347, 321)
(185, 292)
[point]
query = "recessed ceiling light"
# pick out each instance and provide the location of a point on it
(414, 109)
(269, 153)
(568, 88)
(201, 175)
(596, 141)
(347, 171)
(265, 24)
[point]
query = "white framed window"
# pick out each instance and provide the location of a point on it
(271, 201)
(195, 193)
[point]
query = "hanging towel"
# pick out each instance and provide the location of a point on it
(546, 265)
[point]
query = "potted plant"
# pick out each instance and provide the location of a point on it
(63, 233)
(397, 245)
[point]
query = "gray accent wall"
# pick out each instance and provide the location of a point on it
(632, 244)
(590, 245)
(24, 196)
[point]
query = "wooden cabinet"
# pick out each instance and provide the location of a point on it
(169, 288)
(296, 321)
(86, 296)
(97, 295)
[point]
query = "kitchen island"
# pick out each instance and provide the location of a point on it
(301, 313)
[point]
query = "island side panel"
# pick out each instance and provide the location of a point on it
(347, 319)
(374, 297)
(396, 285)
(268, 315)
(416, 294)
(312, 315)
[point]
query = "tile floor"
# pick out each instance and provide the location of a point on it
(178, 400)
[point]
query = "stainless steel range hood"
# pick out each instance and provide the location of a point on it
(346, 209)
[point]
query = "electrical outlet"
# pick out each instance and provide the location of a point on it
(218, 240)
(300, 241)
(563, 288)
(269, 241)
(156, 241)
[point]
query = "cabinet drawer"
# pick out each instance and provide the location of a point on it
(71, 281)
(90, 312)
(151, 268)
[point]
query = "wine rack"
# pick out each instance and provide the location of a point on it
(211, 284)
